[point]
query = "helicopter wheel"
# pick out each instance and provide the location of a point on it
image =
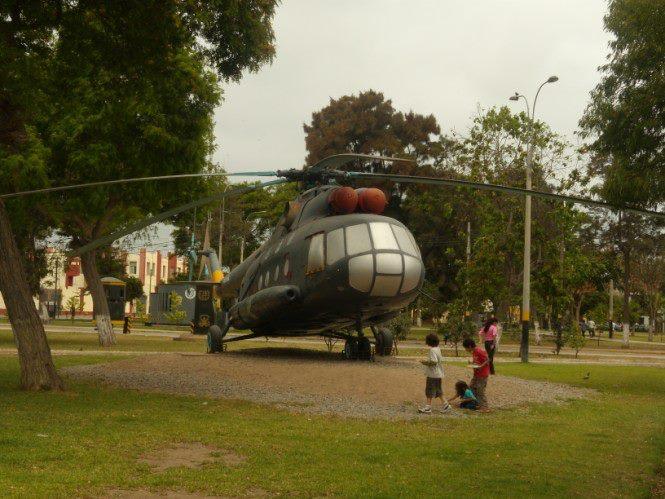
(351, 349)
(215, 344)
(384, 342)
(365, 349)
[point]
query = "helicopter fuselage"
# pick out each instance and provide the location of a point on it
(326, 272)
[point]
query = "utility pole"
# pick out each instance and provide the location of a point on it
(221, 231)
(526, 279)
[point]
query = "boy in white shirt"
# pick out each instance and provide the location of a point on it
(434, 372)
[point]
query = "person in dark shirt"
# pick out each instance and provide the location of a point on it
(481, 371)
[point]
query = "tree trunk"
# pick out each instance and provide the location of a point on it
(99, 303)
(34, 354)
(578, 307)
(626, 299)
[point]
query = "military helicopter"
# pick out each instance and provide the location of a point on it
(333, 265)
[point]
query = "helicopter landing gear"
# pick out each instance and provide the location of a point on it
(215, 337)
(358, 348)
(384, 340)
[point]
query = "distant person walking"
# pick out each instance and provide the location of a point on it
(489, 335)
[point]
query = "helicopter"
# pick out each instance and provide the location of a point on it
(333, 265)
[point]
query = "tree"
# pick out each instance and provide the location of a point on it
(71, 305)
(458, 327)
(649, 279)
(133, 288)
(25, 37)
(176, 313)
(251, 216)
(495, 150)
(400, 327)
(40, 42)
(152, 110)
(625, 120)
(575, 339)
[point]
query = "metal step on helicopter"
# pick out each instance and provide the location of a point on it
(333, 265)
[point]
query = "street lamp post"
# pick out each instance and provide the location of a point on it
(526, 280)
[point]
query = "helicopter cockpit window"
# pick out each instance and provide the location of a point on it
(334, 246)
(286, 266)
(357, 239)
(404, 241)
(316, 257)
(382, 236)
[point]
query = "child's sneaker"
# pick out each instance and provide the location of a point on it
(425, 410)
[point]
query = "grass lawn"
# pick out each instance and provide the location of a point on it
(87, 441)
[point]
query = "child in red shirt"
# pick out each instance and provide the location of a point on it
(481, 371)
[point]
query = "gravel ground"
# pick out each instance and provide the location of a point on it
(310, 381)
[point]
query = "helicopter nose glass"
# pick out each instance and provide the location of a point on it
(392, 267)
(382, 236)
(361, 272)
(389, 263)
(412, 269)
(334, 246)
(357, 239)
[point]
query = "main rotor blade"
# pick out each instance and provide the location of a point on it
(412, 179)
(103, 241)
(334, 162)
(135, 179)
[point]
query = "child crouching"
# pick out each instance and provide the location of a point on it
(466, 396)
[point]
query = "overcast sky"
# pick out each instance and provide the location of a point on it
(431, 56)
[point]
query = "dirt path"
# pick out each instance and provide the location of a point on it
(309, 381)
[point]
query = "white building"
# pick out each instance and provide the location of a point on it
(65, 279)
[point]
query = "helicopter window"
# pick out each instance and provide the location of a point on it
(315, 259)
(382, 236)
(361, 272)
(412, 269)
(334, 246)
(357, 239)
(386, 285)
(389, 263)
(404, 241)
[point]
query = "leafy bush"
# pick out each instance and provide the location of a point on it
(400, 326)
(575, 339)
(456, 330)
(72, 305)
(176, 313)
